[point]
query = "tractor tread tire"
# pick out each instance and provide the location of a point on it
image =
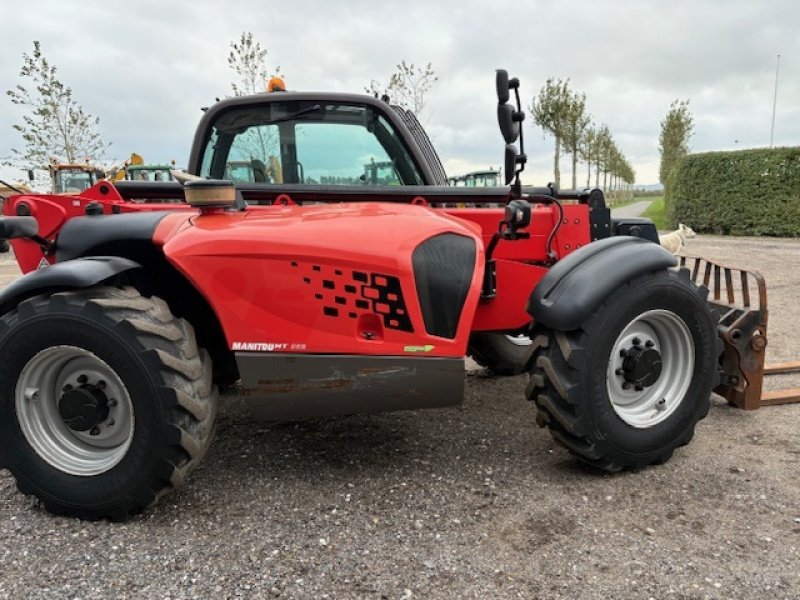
(557, 383)
(495, 352)
(181, 375)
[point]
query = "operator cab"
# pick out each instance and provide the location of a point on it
(298, 139)
(72, 178)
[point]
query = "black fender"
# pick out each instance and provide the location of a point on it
(576, 285)
(67, 275)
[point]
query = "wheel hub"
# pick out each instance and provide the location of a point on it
(650, 368)
(83, 408)
(74, 410)
(641, 366)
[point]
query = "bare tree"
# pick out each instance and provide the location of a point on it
(56, 125)
(249, 61)
(408, 86)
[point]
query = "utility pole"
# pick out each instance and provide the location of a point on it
(774, 101)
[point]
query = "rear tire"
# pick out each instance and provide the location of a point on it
(501, 353)
(605, 395)
(151, 402)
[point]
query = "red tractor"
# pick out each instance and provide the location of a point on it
(321, 294)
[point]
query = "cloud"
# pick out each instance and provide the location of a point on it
(147, 68)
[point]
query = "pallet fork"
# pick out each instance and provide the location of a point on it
(739, 298)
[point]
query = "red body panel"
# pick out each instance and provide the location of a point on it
(52, 211)
(573, 233)
(263, 270)
(289, 279)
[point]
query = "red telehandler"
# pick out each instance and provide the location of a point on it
(318, 292)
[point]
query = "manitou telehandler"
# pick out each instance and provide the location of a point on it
(322, 299)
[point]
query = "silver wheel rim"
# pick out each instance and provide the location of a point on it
(39, 389)
(647, 406)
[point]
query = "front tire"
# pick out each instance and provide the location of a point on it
(627, 388)
(106, 402)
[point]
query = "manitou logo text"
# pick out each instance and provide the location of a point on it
(259, 347)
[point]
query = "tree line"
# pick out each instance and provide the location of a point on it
(562, 113)
(56, 125)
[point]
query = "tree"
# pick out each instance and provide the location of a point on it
(604, 143)
(56, 125)
(587, 149)
(249, 61)
(576, 120)
(548, 110)
(408, 86)
(673, 143)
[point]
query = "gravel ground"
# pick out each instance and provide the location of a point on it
(469, 502)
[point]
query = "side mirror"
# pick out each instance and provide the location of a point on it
(509, 126)
(501, 81)
(510, 164)
(509, 118)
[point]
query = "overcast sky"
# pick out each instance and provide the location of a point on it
(145, 67)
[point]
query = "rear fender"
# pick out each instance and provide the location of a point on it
(579, 283)
(68, 275)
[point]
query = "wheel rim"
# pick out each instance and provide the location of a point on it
(74, 410)
(650, 368)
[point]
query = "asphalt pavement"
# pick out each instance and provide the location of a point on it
(636, 209)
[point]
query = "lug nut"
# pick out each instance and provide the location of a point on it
(110, 423)
(83, 379)
(66, 388)
(101, 384)
(626, 386)
(111, 403)
(649, 343)
(638, 388)
(619, 372)
(94, 431)
(636, 341)
(623, 353)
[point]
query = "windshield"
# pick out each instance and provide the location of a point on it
(481, 179)
(310, 143)
(149, 174)
(68, 181)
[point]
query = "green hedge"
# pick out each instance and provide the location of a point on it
(749, 192)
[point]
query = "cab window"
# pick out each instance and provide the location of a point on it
(308, 143)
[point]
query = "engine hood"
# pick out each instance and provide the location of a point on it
(318, 278)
